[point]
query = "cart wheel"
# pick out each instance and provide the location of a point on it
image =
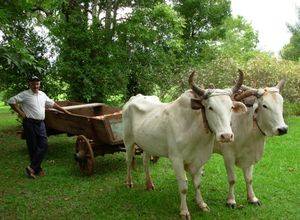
(84, 155)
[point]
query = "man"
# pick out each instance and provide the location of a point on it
(33, 103)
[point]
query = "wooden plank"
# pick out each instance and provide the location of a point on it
(90, 105)
(70, 107)
(71, 124)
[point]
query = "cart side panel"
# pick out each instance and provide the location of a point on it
(109, 128)
(68, 103)
(107, 110)
(71, 124)
(89, 112)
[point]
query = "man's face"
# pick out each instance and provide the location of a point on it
(34, 86)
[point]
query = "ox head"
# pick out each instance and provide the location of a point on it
(217, 107)
(268, 108)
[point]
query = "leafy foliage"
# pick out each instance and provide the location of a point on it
(22, 50)
(239, 41)
(260, 71)
(107, 51)
(203, 20)
(151, 54)
(98, 59)
(291, 51)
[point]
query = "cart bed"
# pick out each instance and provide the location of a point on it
(96, 121)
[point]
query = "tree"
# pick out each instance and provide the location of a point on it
(93, 48)
(291, 51)
(203, 19)
(151, 54)
(21, 48)
(107, 51)
(238, 40)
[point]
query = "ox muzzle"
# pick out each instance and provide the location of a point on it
(282, 130)
(225, 137)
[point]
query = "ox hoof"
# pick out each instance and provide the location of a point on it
(231, 205)
(151, 188)
(256, 203)
(149, 185)
(185, 215)
(202, 173)
(154, 159)
(129, 185)
(204, 207)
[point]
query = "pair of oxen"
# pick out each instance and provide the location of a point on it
(232, 122)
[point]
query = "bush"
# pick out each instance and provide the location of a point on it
(261, 71)
(266, 71)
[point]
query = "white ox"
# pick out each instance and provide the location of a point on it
(177, 130)
(263, 118)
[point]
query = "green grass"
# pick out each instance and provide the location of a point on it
(66, 194)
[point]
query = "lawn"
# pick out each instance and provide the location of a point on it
(66, 194)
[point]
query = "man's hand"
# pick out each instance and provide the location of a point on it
(16, 108)
(58, 107)
(22, 114)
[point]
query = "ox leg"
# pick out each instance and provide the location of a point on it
(183, 187)
(149, 183)
(248, 174)
(129, 160)
(231, 177)
(199, 199)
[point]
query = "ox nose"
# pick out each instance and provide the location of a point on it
(282, 130)
(227, 137)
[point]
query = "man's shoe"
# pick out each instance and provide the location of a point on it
(41, 173)
(30, 172)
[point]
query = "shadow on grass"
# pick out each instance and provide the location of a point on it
(12, 130)
(61, 153)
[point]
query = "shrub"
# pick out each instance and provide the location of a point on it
(260, 71)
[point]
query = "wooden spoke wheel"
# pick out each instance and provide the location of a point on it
(84, 155)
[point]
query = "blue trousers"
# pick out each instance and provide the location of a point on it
(37, 142)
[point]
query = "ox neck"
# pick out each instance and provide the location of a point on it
(259, 128)
(205, 122)
(204, 119)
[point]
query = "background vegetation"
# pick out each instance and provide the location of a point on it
(106, 51)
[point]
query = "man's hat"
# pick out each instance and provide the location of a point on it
(34, 78)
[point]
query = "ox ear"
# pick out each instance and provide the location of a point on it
(196, 104)
(239, 107)
(255, 107)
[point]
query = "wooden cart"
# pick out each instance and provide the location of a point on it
(98, 128)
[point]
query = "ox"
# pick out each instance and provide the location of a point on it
(180, 131)
(263, 118)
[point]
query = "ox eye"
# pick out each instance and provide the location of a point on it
(210, 108)
(265, 106)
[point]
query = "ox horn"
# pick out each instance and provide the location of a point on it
(239, 82)
(245, 94)
(281, 83)
(243, 87)
(194, 87)
(247, 91)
